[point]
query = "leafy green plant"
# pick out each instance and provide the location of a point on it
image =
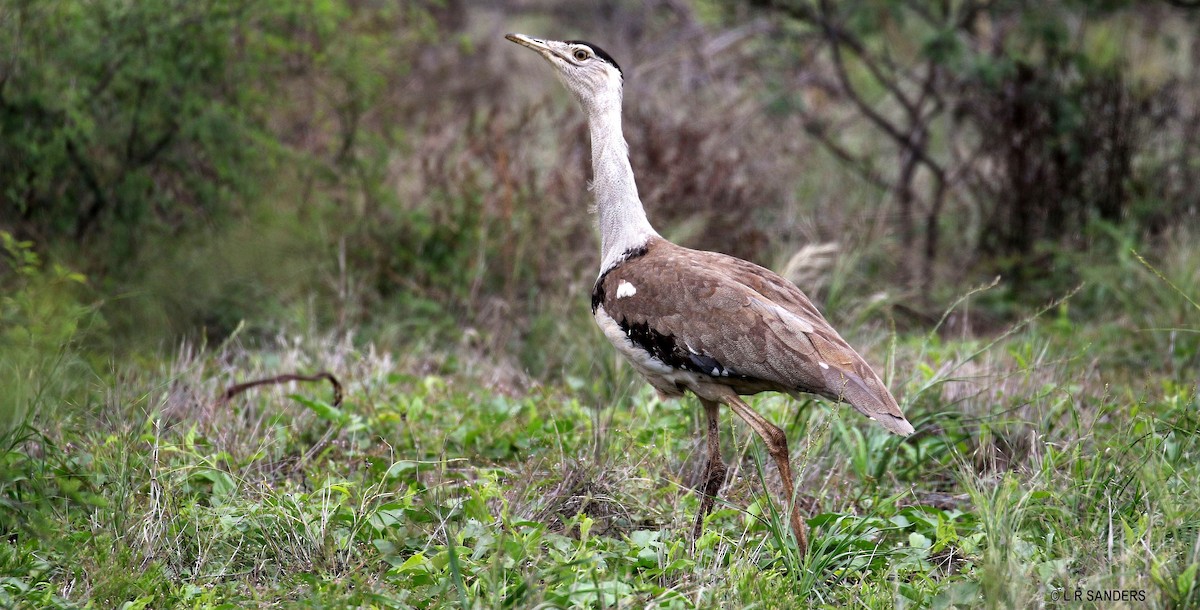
(123, 118)
(43, 313)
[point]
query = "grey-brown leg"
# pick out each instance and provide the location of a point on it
(776, 442)
(714, 470)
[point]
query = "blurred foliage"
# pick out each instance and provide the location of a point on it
(131, 126)
(43, 312)
(388, 167)
(1015, 127)
(127, 120)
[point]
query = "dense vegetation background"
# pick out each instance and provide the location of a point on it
(997, 202)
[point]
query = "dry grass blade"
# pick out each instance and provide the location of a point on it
(1162, 277)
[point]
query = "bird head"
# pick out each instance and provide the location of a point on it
(592, 75)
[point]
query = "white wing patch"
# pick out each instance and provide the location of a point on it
(625, 289)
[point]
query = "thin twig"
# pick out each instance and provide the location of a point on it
(234, 390)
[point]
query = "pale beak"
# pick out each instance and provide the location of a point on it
(527, 41)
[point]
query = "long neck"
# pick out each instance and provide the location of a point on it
(622, 220)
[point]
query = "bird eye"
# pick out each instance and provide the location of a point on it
(581, 54)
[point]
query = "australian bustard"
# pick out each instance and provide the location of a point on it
(704, 322)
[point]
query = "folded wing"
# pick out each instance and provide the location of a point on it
(739, 322)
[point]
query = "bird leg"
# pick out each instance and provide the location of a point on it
(714, 470)
(776, 442)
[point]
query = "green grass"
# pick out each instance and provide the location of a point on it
(1043, 465)
(1056, 456)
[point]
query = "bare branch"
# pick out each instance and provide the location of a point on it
(860, 165)
(838, 35)
(866, 109)
(91, 212)
(234, 390)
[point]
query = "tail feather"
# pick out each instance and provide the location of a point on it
(877, 403)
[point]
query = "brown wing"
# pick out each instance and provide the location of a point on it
(729, 318)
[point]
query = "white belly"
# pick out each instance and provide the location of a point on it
(667, 379)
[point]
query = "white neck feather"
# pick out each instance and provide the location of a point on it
(622, 220)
